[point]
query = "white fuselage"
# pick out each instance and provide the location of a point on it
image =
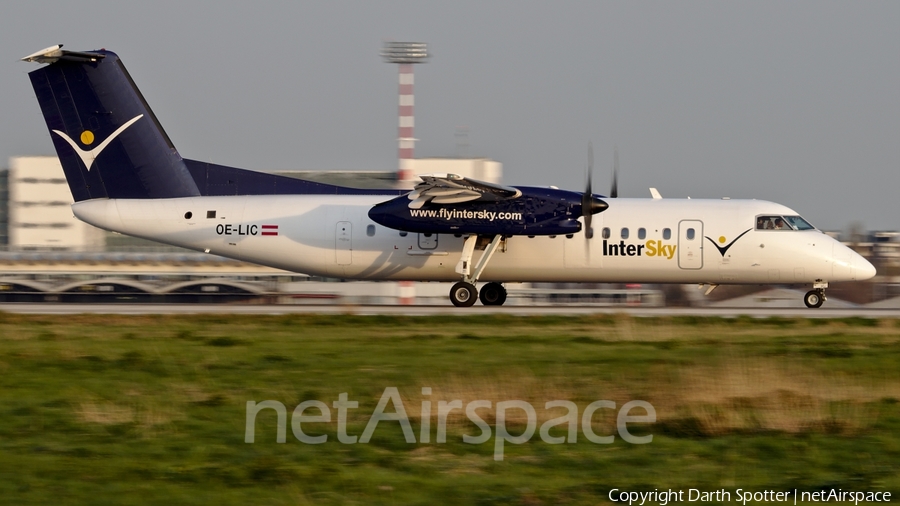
(332, 236)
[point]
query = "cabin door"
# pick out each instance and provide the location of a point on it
(690, 244)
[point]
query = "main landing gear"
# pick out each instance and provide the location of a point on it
(493, 294)
(464, 293)
(815, 297)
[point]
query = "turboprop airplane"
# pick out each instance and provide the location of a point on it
(126, 176)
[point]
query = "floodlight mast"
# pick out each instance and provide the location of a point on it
(405, 55)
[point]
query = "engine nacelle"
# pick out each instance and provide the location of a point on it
(537, 211)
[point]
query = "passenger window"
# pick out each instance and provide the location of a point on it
(642, 233)
(624, 233)
(667, 233)
(370, 230)
(605, 233)
(403, 234)
(690, 234)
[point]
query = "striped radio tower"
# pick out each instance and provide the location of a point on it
(405, 55)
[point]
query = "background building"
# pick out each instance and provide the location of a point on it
(39, 210)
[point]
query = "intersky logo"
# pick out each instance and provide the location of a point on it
(724, 249)
(87, 138)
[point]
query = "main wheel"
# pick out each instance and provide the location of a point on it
(814, 298)
(493, 294)
(463, 294)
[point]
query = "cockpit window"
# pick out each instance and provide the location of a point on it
(799, 223)
(772, 223)
(782, 223)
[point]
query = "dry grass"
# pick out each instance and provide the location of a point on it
(105, 413)
(756, 395)
(736, 396)
(147, 419)
(512, 385)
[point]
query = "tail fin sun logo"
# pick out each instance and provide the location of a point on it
(87, 138)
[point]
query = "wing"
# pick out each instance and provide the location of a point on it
(455, 189)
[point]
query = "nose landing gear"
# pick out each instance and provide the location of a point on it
(816, 297)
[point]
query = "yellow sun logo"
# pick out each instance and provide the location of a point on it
(721, 239)
(87, 137)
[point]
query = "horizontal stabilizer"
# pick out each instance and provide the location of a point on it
(55, 53)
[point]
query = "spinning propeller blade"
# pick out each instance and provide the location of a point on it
(614, 191)
(586, 197)
(590, 205)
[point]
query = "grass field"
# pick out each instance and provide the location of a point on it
(151, 409)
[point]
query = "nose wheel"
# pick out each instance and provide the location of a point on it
(814, 298)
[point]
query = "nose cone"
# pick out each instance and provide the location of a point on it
(862, 268)
(592, 205)
(849, 265)
(597, 205)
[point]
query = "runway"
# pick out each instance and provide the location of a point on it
(141, 309)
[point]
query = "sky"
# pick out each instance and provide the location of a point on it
(792, 102)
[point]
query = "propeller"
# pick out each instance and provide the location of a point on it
(614, 191)
(590, 205)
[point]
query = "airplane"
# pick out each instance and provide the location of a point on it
(126, 176)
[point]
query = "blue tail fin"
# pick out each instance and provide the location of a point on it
(107, 138)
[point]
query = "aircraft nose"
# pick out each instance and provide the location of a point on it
(849, 265)
(862, 268)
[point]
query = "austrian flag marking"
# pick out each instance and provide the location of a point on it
(269, 230)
